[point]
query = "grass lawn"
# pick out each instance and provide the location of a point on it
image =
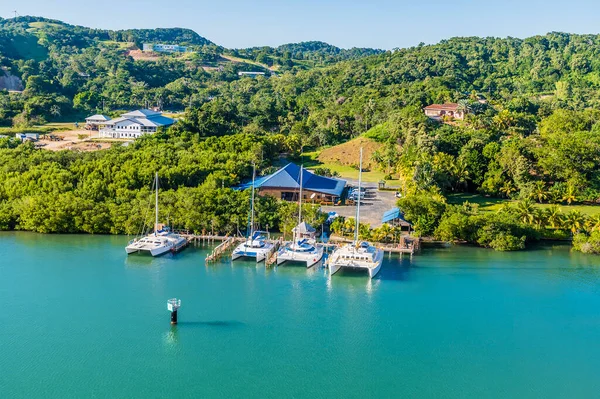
(120, 45)
(310, 161)
(487, 204)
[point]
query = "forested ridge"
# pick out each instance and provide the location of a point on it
(531, 131)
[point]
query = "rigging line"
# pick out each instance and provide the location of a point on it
(145, 220)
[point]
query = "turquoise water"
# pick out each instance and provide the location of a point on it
(80, 319)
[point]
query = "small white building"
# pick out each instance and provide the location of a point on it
(164, 48)
(96, 120)
(251, 74)
(134, 124)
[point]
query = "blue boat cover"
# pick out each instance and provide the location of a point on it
(288, 177)
(256, 235)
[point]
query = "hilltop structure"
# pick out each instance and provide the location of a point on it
(251, 74)
(164, 48)
(448, 110)
(134, 124)
(285, 184)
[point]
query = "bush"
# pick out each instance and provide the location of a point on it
(424, 211)
(507, 242)
(325, 172)
(588, 244)
(500, 231)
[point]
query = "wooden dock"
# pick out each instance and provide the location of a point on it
(272, 258)
(406, 245)
(221, 249)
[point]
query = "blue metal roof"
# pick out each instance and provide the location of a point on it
(288, 177)
(392, 214)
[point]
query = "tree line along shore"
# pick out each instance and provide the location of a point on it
(530, 133)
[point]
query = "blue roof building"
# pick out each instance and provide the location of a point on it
(285, 184)
(395, 217)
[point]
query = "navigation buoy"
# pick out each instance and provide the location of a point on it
(173, 304)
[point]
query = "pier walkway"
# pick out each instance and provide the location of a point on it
(406, 245)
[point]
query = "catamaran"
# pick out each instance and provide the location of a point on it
(257, 244)
(303, 248)
(358, 256)
(162, 240)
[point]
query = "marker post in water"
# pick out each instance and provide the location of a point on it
(173, 304)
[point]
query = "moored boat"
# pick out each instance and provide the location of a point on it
(303, 248)
(160, 241)
(258, 244)
(358, 256)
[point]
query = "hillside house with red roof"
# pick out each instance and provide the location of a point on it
(447, 110)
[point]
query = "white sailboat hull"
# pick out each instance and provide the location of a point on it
(156, 245)
(309, 258)
(245, 250)
(159, 242)
(350, 257)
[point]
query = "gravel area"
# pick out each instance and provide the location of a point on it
(372, 208)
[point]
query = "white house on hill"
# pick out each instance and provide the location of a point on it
(164, 48)
(134, 124)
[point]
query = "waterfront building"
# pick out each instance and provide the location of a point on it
(284, 184)
(134, 124)
(395, 218)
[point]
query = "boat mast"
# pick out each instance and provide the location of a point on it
(358, 198)
(252, 202)
(156, 205)
(300, 199)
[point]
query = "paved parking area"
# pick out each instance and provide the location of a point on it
(372, 208)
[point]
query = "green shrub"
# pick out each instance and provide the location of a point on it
(500, 231)
(424, 211)
(507, 242)
(588, 244)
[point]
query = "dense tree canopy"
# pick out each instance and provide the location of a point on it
(530, 133)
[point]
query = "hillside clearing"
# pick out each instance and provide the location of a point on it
(344, 159)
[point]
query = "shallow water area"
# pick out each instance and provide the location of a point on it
(82, 319)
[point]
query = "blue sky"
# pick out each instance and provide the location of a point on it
(379, 23)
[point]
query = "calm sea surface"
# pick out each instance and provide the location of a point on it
(80, 319)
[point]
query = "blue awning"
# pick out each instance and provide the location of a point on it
(393, 214)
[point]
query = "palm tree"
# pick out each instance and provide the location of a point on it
(554, 216)
(349, 225)
(526, 211)
(464, 106)
(569, 196)
(539, 218)
(593, 223)
(461, 173)
(507, 189)
(574, 221)
(540, 191)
